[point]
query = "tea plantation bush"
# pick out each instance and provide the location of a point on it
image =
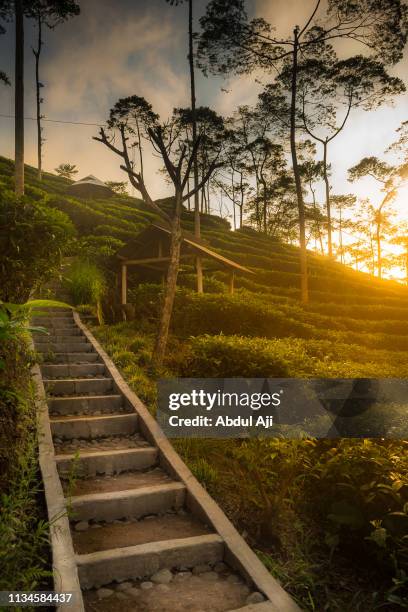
(230, 356)
(213, 314)
(33, 238)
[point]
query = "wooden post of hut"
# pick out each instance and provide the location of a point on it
(150, 251)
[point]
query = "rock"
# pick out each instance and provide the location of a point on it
(146, 585)
(121, 595)
(182, 576)
(96, 526)
(254, 598)
(220, 567)
(163, 576)
(82, 526)
(163, 587)
(123, 586)
(210, 576)
(200, 569)
(133, 592)
(234, 579)
(104, 593)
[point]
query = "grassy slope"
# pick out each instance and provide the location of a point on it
(359, 319)
(358, 328)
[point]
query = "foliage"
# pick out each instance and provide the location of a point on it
(23, 530)
(119, 187)
(67, 171)
(87, 285)
(24, 554)
(14, 319)
(33, 238)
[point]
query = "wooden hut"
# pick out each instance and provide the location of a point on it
(90, 187)
(151, 249)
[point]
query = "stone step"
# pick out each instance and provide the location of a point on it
(218, 589)
(84, 404)
(100, 568)
(138, 503)
(72, 371)
(78, 386)
(64, 333)
(120, 482)
(90, 537)
(98, 445)
(45, 311)
(72, 358)
(60, 347)
(68, 428)
(53, 322)
(106, 462)
(53, 313)
(57, 339)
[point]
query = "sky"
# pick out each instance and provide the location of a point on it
(117, 48)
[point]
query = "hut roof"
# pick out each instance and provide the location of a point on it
(143, 249)
(90, 185)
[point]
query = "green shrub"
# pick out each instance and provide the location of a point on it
(87, 285)
(33, 239)
(211, 284)
(24, 550)
(230, 356)
(364, 499)
(204, 472)
(205, 313)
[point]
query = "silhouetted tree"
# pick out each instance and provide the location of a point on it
(17, 10)
(391, 179)
(168, 140)
(47, 13)
(230, 42)
(119, 187)
(328, 87)
(66, 170)
(191, 61)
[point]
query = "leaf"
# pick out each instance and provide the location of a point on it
(344, 513)
(379, 537)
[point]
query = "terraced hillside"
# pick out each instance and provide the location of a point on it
(346, 306)
(319, 513)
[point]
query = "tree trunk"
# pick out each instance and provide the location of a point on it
(197, 229)
(19, 99)
(37, 54)
(298, 183)
(406, 265)
(139, 138)
(379, 253)
(328, 207)
(265, 210)
(341, 236)
(171, 284)
(233, 199)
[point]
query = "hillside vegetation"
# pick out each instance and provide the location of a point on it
(328, 518)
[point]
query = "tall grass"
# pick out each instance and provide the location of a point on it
(24, 547)
(87, 285)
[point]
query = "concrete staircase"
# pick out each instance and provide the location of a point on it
(145, 535)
